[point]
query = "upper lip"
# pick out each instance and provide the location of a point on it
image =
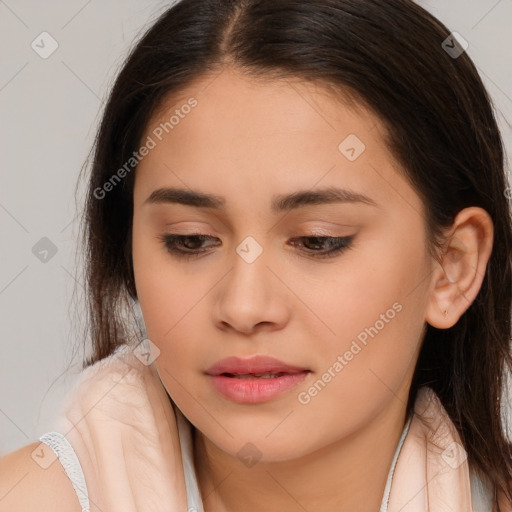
(252, 365)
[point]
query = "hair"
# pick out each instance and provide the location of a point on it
(440, 126)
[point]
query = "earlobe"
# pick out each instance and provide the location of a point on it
(460, 271)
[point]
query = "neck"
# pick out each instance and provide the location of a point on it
(348, 475)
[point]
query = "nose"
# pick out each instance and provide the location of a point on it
(251, 298)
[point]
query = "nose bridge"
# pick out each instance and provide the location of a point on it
(249, 275)
(250, 293)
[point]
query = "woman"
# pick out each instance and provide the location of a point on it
(307, 201)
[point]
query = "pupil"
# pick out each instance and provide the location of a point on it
(315, 239)
(188, 243)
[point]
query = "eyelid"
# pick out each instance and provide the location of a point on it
(325, 226)
(320, 233)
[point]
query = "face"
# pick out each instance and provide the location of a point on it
(333, 290)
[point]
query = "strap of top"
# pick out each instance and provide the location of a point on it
(194, 502)
(64, 451)
(387, 489)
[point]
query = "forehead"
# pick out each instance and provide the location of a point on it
(245, 137)
(235, 107)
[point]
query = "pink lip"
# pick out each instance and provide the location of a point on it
(253, 389)
(255, 364)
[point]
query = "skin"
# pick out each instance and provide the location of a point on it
(246, 141)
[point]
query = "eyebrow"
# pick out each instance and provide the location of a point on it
(280, 203)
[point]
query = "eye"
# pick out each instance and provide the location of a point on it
(186, 246)
(332, 245)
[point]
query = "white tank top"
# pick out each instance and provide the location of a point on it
(67, 456)
(481, 496)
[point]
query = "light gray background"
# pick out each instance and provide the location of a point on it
(49, 111)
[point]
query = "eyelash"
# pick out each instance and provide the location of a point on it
(341, 244)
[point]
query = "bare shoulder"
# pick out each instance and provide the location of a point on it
(31, 478)
(505, 504)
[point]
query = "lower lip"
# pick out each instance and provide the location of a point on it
(255, 390)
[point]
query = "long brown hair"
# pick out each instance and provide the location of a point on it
(442, 129)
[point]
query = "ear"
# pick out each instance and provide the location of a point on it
(460, 269)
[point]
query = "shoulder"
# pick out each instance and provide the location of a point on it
(504, 503)
(28, 485)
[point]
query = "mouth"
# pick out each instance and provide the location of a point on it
(266, 375)
(254, 380)
(258, 366)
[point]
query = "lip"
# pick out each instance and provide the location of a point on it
(254, 364)
(235, 379)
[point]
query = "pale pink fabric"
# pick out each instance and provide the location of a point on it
(122, 426)
(123, 429)
(432, 472)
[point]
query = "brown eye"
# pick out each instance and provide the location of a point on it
(325, 246)
(185, 245)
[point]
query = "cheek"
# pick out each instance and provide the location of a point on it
(157, 282)
(375, 310)
(385, 269)
(171, 300)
